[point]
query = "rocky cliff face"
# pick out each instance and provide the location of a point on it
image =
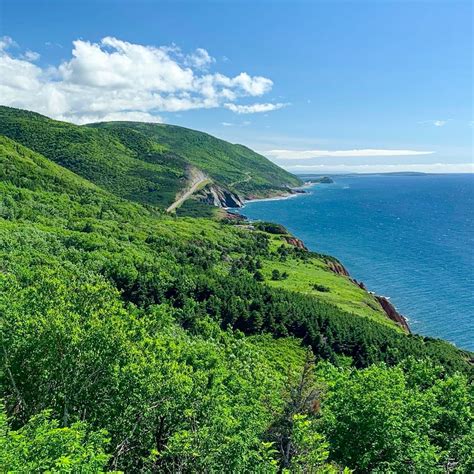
(387, 306)
(295, 242)
(218, 196)
(337, 267)
(392, 313)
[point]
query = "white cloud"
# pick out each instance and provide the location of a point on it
(31, 55)
(244, 123)
(124, 116)
(115, 78)
(368, 152)
(51, 45)
(7, 42)
(390, 168)
(253, 108)
(200, 59)
(436, 123)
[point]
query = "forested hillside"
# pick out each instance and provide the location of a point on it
(235, 166)
(137, 341)
(145, 163)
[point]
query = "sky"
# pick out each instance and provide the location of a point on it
(316, 86)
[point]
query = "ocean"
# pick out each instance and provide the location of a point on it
(407, 237)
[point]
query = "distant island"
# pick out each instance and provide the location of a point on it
(321, 180)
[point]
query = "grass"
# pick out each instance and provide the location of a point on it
(303, 275)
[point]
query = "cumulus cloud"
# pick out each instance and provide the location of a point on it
(367, 152)
(31, 55)
(389, 168)
(115, 78)
(200, 59)
(6, 42)
(253, 108)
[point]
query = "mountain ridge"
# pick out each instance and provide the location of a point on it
(146, 163)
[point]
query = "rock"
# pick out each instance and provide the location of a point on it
(218, 196)
(392, 313)
(235, 217)
(295, 242)
(360, 284)
(337, 267)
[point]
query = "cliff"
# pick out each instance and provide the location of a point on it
(387, 306)
(337, 267)
(219, 196)
(392, 313)
(295, 242)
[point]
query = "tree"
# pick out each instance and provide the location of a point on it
(410, 418)
(258, 275)
(310, 449)
(276, 275)
(41, 445)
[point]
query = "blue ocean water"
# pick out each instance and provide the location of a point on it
(407, 237)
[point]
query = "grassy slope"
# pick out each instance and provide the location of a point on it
(302, 276)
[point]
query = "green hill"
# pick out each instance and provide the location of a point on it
(198, 345)
(234, 166)
(146, 163)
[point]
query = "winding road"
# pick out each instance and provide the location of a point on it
(198, 181)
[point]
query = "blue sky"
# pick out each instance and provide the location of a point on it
(315, 86)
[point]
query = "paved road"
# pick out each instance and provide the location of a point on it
(199, 182)
(245, 180)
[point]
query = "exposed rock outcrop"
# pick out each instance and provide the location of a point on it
(218, 196)
(295, 242)
(337, 267)
(387, 306)
(392, 313)
(360, 284)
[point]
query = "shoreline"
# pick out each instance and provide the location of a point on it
(388, 307)
(282, 197)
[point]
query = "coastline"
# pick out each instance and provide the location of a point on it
(297, 191)
(275, 198)
(387, 306)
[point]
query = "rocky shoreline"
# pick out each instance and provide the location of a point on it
(338, 268)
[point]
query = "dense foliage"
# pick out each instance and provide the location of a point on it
(136, 341)
(235, 166)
